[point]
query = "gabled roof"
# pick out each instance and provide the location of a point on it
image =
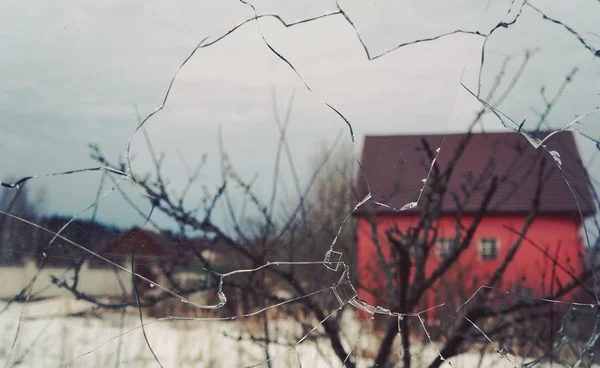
(150, 243)
(396, 165)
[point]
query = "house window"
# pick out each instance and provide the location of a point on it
(488, 248)
(415, 252)
(446, 246)
(525, 293)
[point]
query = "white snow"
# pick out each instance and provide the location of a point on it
(50, 338)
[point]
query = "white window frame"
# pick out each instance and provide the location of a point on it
(487, 254)
(446, 244)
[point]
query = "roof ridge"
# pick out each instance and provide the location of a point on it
(461, 133)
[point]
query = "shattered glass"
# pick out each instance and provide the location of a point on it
(265, 184)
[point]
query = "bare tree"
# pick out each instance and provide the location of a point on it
(318, 219)
(15, 236)
(272, 252)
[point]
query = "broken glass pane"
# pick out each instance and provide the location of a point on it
(259, 183)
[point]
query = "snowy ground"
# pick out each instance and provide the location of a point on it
(47, 338)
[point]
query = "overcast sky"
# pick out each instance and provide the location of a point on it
(73, 71)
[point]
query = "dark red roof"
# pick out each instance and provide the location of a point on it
(153, 244)
(396, 165)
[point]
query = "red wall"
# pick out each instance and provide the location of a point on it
(558, 235)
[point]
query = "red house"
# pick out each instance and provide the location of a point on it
(154, 250)
(395, 168)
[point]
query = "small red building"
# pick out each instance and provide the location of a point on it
(395, 168)
(159, 253)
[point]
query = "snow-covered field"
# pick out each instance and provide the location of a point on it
(48, 338)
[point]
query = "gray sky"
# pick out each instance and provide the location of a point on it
(72, 72)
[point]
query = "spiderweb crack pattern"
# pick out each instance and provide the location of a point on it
(344, 291)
